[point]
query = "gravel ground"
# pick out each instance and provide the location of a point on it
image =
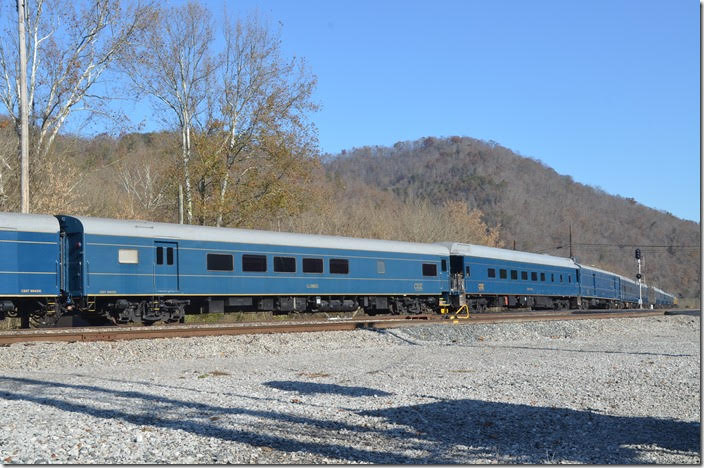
(588, 391)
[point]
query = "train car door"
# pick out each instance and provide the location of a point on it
(166, 267)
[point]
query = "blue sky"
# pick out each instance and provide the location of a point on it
(605, 91)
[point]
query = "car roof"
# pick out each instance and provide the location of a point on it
(471, 250)
(28, 222)
(148, 229)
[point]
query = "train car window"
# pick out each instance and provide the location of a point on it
(561, 279)
(569, 278)
(514, 275)
(542, 277)
(533, 276)
(312, 265)
(339, 266)
(380, 267)
(577, 273)
(502, 274)
(467, 270)
(491, 273)
(159, 255)
(552, 277)
(524, 275)
(128, 256)
(443, 265)
(430, 269)
(169, 255)
(285, 264)
(253, 262)
(219, 262)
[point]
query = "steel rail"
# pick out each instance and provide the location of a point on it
(252, 328)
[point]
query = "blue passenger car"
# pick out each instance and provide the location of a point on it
(663, 299)
(630, 292)
(29, 263)
(127, 264)
(493, 277)
(599, 288)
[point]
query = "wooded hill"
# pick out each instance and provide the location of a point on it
(430, 190)
(531, 204)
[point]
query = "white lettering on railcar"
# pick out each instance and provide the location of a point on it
(418, 286)
(312, 285)
(30, 290)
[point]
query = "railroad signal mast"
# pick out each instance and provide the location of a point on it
(640, 283)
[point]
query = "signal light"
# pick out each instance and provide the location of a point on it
(637, 253)
(639, 276)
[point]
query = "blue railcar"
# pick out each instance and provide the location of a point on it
(123, 266)
(493, 277)
(630, 293)
(663, 299)
(598, 288)
(30, 257)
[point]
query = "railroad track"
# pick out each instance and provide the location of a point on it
(251, 328)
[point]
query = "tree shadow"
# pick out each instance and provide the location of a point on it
(533, 434)
(310, 388)
(445, 431)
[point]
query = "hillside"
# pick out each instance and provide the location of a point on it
(533, 205)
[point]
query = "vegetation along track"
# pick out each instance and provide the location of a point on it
(183, 331)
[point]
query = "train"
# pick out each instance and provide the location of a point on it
(145, 272)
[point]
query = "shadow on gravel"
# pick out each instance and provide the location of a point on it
(445, 431)
(309, 388)
(534, 434)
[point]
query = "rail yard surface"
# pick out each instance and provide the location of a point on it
(584, 391)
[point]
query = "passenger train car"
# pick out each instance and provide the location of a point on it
(137, 271)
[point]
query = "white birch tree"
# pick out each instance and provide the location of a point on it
(70, 46)
(172, 63)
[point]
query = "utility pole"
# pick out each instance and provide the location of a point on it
(24, 125)
(571, 255)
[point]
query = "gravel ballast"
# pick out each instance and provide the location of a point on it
(583, 391)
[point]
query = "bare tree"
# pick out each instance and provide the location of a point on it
(260, 115)
(70, 46)
(172, 63)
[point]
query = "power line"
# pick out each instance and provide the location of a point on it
(641, 246)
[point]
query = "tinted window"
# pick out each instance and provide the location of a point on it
(514, 274)
(312, 265)
(552, 277)
(443, 265)
(253, 262)
(542, 277)
(502, 273)
(569, 278)
(491, 273)
(467, 270)
(524, 275)
(533, 276)
(219, 262)
(170, 256)
(560, 278)
(285, 264)
(159, 255)
(430, 269)
(339, 266)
